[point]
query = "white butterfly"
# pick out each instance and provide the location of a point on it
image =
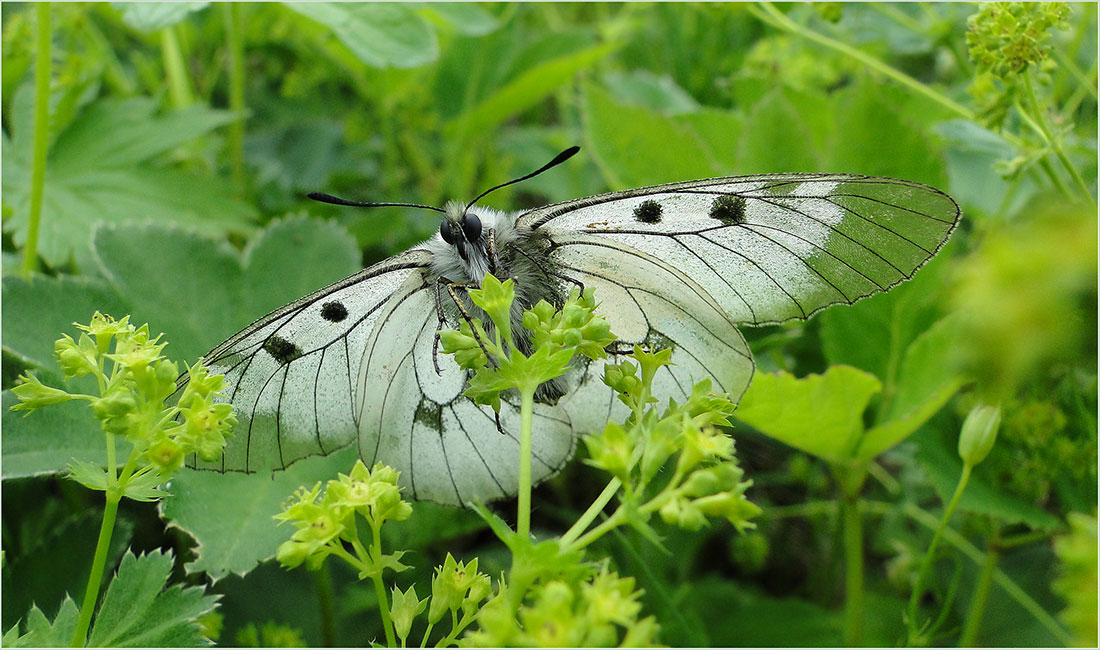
(676, 265)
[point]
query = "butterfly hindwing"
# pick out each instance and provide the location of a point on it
(416, 419)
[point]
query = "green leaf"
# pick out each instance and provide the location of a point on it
(198, 291)
(99, 170)
(526, 90)
(151, 16)
(137, 610)
(636, 146)
(927, 368)
(46, 441)
(880, 438)
(468, 18)
(642, 87)
(776, 138)
(41, 633)
(379, 34)
(48, 307)
(818, 414)
(230, 515)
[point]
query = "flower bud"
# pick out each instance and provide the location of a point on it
(979, 432)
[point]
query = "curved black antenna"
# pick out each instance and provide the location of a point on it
(558, 159)
(335, 200)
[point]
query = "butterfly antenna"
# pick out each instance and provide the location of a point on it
(335, 200)
(558, 159)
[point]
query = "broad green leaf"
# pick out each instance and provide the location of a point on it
(632, 144)
(47, 308)
(468, 18)
(384, 34)
(40, 632)
(647, 89)
(525, 91)
(819, 414)
(884, 436)
(151, 16)
(100, 170)
(198, 291)
(45, 441)
(776, 138)
(974, 155)
(892, 144)
(230, 515)
(138, 610)
(928, 366)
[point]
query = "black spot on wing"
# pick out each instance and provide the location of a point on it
(648, 211)
(334, 311)
(281, 349)
(729, 209)
(429, 414)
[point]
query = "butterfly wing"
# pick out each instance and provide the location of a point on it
(291, 375)
(415, 419)
(684, 262)
(353, 362)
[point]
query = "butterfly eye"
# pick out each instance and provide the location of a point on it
(445, 232)
(471, 227)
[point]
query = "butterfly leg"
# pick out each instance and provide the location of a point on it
(463, 312)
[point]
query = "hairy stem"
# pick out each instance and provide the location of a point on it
(523, 507)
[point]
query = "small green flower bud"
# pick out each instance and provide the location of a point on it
(403, 609)
(34, 394)
(114, 405)
(979, 432)
(166, 455)
(76, 360)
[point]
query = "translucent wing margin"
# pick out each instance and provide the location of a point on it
(291, 375)
(766, 248)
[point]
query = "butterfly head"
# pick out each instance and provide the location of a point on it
(460, 228)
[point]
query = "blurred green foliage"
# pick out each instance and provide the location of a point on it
(183, 137)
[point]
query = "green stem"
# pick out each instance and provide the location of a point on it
(235, 46)
(379, 588)
(174, 70)
(523, 507)
(95, 576)
(323, 585)
(767, 12)
(853, 570)
(978, 601)
(41, 136)
(599, 531)
(1055, 143)
(590, 515)
(926, 561)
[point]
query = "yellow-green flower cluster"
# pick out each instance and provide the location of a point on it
(601, 611)
(706, 481)
(135, 381)
(326, 522)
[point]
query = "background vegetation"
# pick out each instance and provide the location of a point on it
(183, 137)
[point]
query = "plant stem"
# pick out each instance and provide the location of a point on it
(853, 570)
(767, 12)
(41, 135)
(235, 46)
(174, 70)
(976, 610)
(95, 576)
(379, 588)
(926, 561)
(1055, 143)
(590, 515)
(523, 507)
(323, 585)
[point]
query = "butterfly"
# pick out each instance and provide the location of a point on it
(677, 266)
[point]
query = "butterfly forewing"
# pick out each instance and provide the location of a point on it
(291, 375)
(767, 248)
